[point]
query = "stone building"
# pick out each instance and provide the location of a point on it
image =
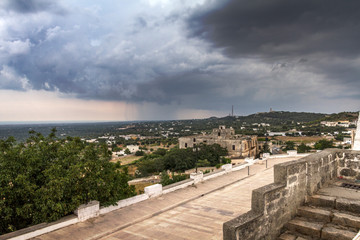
(238, 146)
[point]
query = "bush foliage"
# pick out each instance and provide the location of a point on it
(166, 180)
(179, 160)
(47, 178)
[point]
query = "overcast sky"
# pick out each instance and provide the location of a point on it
(92, 60)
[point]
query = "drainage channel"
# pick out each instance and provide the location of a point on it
(351, 186)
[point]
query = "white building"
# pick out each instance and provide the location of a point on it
(133, 148)
(271, 134)
(347, 140)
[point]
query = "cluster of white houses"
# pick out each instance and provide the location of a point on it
(345, 123)
(238, 146)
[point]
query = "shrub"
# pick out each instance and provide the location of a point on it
(47, 178)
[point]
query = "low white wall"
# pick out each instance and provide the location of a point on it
(357, 237)
(237, 168)
(197, 177)
(124, 203)
(292, 152)
(87, 211)
(214, 175)
(227, 167)
(153, 190)
(50, 228)
(287, 155)
(177, 187)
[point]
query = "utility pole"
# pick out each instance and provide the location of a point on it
(232, 110)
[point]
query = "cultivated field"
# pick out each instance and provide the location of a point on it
(297, 139)
(126, 159)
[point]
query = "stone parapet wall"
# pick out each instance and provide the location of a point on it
(349, 165)
(275, 204)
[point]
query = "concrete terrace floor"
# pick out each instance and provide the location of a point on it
(195, 212)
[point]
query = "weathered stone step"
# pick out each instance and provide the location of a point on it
(315, 213)
(331, 233)
(342, 204)
(348, 205)
(289, 236)
(346, 220)
(305, 227)
(322, 201)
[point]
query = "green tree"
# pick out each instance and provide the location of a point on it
(323, 144)
(139, 153)
(160, 151)
(47, 178)
(179, 159)
(302, 148)
(211, 153)
(339, 137)
(289, 145)
(127, 151)
(166, 180)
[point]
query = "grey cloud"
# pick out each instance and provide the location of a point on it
(151, 61)
(280, 28)
(33, 6)
(177, 87)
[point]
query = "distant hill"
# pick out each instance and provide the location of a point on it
(279, 121)
(283, 117)
(342, 116)
(273, 118)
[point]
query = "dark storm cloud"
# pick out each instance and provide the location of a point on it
(278, 28)
(175, 88)
(275, 52)
(33, 6)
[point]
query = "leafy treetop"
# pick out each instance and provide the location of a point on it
(47, 178)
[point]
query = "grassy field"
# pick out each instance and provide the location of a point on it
(298, 139)
(126, 160)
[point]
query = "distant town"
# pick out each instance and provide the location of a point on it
(274, 132)
(129, 159)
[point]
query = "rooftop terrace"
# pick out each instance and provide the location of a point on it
(194, 212)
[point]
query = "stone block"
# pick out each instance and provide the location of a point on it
(346, 220)
(197, 177)
(331, 233)
(343, 204)
(87, 211)
(304, 227)
(287, 236)
(322, 201)
(348, 172)
(292, 180)
(153, 190)
(315, 213)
